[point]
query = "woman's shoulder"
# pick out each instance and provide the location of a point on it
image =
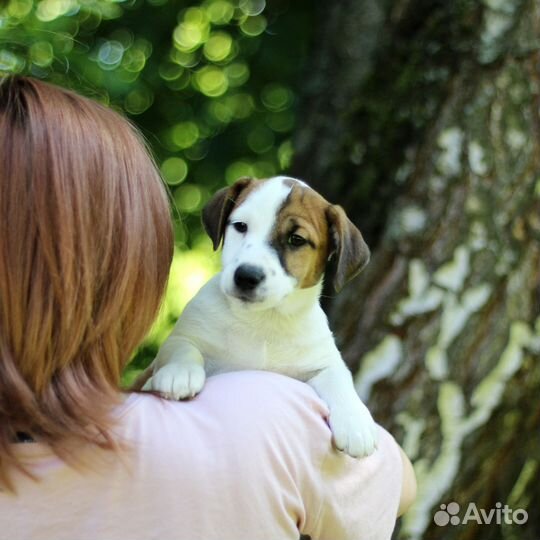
(229, 401)
(268, 425)
(242, 412)
(265, 437)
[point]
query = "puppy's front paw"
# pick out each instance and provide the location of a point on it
(177, 382)
(354, 430)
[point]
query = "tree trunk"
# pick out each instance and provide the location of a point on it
(422, 119)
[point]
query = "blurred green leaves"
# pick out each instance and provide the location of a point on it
(212, 84)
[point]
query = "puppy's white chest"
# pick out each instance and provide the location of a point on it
(245, 347)
(294, 347)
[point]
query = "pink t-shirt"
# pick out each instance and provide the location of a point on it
(250, 458)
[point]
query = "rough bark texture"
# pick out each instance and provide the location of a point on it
(422, 119)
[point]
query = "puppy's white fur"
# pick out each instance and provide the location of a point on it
(282, 329)
(259, 212)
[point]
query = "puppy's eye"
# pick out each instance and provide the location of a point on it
(296, 240)
(240, 226)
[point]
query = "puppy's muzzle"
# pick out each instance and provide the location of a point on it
(247, 277)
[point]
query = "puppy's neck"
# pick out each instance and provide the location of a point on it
(300, 301)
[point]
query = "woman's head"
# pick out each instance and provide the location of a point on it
(85, 248)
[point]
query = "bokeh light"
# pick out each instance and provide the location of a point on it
(185, 134)
(188, 198)
(41, 53)
(174, 170)
(253, 26)
(218, 47)
(211, 81)
(219, 12)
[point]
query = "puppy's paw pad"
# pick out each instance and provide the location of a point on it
(178, 382)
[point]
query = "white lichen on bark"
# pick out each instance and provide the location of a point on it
(434, 479)
(477, 158)
(413, 428)
(422, 298)
(452, 274)
(378, 364)
(456, 313)
(498, 20)
(450, 142)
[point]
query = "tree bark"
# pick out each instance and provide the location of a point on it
(422, 119)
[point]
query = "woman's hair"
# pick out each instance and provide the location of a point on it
(85, 248)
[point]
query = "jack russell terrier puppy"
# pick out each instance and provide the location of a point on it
(262, 310)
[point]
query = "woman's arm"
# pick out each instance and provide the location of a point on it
(408, 488)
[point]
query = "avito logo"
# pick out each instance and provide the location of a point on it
(449, 514)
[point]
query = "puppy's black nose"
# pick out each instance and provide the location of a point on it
(247, 277)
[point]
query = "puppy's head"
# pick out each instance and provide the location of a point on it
(278, 236)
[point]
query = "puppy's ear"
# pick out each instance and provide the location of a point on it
(347, 247)
(216, 212)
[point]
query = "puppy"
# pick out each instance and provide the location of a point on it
(262, 310)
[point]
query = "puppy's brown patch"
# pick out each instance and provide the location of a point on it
(304, 214)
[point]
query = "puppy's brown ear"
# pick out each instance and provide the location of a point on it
(347, 247)
(216, 212)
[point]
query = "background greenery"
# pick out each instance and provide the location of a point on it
(421, 118)
(212, 85)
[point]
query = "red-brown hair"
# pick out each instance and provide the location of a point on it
(85, 249)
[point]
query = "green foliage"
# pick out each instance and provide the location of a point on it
(212, 85)
(205, 81)
(190, 270)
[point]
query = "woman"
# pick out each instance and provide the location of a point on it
(85, 248)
